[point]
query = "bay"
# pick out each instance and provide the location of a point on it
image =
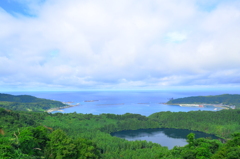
(121, 102)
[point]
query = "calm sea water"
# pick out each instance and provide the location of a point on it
(121, 102)
(164, 137)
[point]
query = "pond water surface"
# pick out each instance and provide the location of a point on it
(162, 136)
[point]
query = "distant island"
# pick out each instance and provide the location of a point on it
(28, 103)
(224, 101)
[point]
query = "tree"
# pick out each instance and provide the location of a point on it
(61, 146)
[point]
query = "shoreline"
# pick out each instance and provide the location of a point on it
(204, 105)
(60, 108)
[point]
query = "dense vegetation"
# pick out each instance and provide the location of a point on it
(226, 99)
(29, 134)
(36, 142)
(35, 134)
(221, 123)
(27, 103)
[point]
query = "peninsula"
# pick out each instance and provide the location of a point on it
(225, 101)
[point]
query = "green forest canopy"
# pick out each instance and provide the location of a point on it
(72, 129)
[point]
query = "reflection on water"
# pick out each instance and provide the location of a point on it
(162, 136)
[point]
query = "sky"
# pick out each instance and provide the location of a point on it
(119, 45)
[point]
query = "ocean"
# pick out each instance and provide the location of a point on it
(121, 102)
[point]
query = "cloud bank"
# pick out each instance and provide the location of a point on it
(128, 44)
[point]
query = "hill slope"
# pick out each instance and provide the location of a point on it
(27, 103)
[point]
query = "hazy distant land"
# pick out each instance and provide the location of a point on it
(224, 101)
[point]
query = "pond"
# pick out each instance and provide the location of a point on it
(162, 136)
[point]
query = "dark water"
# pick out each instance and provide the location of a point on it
(121, 102)
(164, 137)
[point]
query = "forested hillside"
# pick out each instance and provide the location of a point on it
(221, 123)
(27, 103)
(226, 99)
(72, 135)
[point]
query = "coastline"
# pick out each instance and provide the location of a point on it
(60, 108)
(205, 105)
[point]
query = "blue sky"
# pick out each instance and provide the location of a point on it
(115, 45)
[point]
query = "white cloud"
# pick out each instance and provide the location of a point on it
(109, 44)
(176, 37)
